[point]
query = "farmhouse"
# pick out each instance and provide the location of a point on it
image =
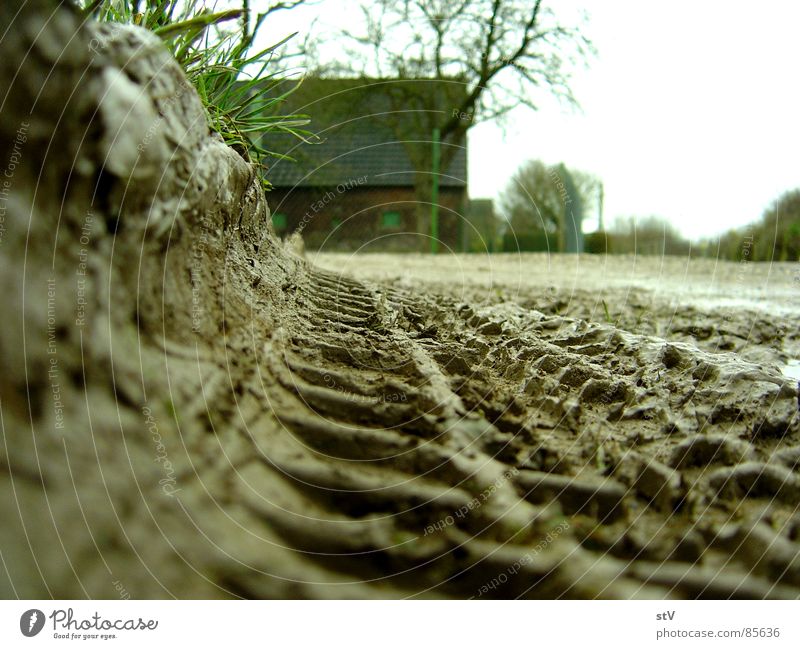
(366, 183)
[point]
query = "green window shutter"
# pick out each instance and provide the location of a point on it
(390, 220)
(279, 221)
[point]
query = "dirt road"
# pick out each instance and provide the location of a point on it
(605, 378)
(750, 308)
(190, 410)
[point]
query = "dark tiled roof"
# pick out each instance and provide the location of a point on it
(359, 140)
(379, 158)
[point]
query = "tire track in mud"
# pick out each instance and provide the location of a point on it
(440, 442)
(328, 437)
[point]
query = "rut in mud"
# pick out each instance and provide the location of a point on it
(237, 422)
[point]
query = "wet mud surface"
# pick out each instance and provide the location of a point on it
(662, 430)
(209, 415)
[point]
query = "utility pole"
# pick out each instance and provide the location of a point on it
(600, 196)
(435, 194)
(573, 213)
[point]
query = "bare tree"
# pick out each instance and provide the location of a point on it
(253, 19)
(487, 57)
(539, 198)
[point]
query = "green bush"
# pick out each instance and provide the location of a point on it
(595, 243)
(539, 241)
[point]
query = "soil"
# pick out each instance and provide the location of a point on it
(752, 309)
(644, 373)
(190, 409)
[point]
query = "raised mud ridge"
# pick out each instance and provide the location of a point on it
(190, 410)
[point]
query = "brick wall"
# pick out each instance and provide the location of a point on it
(347, 218)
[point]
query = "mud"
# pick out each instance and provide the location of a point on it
(237, 421)
(749, 308)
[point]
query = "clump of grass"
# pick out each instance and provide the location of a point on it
(609, 319)
(235, 82)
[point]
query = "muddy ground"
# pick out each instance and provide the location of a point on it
(752, 309)
(648, 373)
(191, 410)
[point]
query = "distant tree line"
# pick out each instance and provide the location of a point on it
(533, 210)
(651, 235)
(540, 202)
(775, 237)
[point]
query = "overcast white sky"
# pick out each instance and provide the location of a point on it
(690, 110)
